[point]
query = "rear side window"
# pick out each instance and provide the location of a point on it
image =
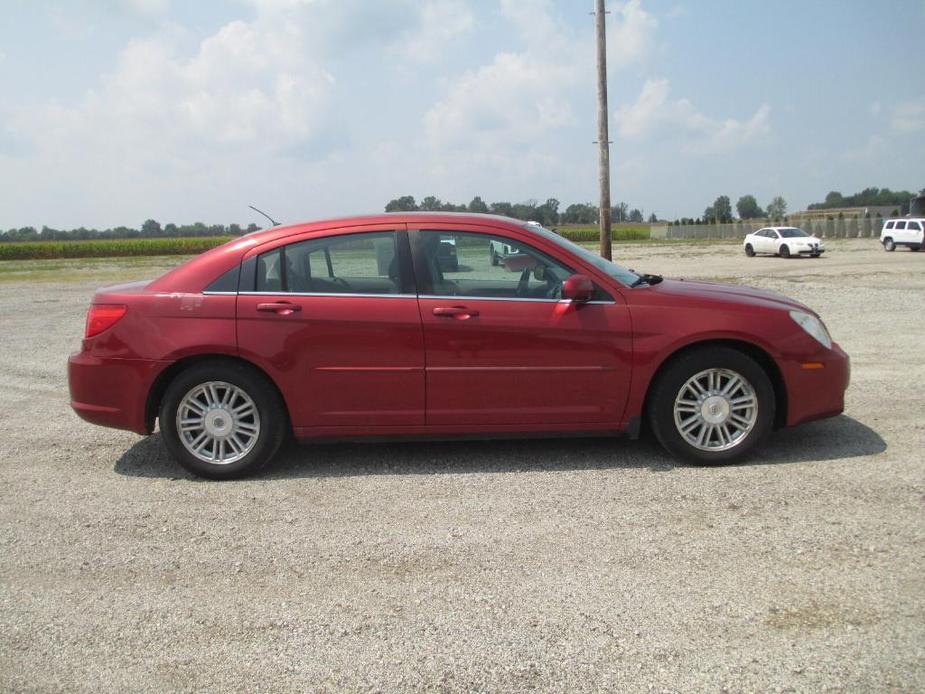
(227, 283)
(364, 263)
(270, 272)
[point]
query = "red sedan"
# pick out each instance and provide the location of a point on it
(361, 327)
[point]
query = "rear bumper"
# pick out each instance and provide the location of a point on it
(111, 392)
(818, 392)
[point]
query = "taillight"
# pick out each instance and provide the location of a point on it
(103, 316)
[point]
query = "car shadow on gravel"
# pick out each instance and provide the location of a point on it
(833, 439)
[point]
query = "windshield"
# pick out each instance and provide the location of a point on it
(792, 233)
(619, 273)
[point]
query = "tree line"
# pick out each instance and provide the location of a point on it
(747, 207)
(149, 230)
(547, 213)
(869, 197)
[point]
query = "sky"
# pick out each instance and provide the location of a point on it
(116, 111)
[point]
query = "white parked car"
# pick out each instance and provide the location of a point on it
(498, 251)
(782, 241)
(903, 232)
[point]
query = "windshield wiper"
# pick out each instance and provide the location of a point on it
(646, 278)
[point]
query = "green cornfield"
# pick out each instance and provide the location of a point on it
(617, 233)
(109, 248)
(191, 245)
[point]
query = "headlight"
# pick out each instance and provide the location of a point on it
(813, 326)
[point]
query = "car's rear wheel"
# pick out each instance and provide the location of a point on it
(749, 251)
(711, 405)
(784, 251)
(222, 420)
(888, 244)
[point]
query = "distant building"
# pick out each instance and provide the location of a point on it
(884, 211)
(917, 206)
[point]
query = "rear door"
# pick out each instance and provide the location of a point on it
(333, 317)
(502, 349)
(914, 230)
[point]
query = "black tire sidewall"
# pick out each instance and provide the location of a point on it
(889, 245)
(273, 420)
(749, 251)
(674, 374)
(784, 251)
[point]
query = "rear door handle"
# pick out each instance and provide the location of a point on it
(282, 308)
(457, 312)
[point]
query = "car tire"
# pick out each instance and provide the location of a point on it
(784, 251)
(888, 245)
(236, 419)
(714, 427)
(749, 251)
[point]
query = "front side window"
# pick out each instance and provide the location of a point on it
(900, 225)
(486, 266)
(345, 264)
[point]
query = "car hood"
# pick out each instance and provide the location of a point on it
(728, 293)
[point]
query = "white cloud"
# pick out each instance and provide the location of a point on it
(630, 34)
(147, 6)
(440, 22)
(245, 83)
(909, 116)
(506, 102)
(654, 111)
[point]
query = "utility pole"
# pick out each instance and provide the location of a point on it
(603, 138)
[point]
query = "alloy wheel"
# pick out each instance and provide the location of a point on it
(218, 422)
(715, 410)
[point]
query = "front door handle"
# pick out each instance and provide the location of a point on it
(457, 312)
(281, 308)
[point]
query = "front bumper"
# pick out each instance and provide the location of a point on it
(112, 392)
(817, 392)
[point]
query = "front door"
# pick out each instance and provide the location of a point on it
(333, 317)
(502, 349)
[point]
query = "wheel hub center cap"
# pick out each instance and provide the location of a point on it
(218, 422)
(715, 409)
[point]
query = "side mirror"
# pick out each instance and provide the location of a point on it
(578, 289)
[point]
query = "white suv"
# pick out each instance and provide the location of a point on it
(903, 232)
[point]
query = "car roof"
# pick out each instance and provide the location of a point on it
(416, 217)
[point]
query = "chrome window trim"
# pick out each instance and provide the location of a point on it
(454, 297)
(347, 294)
(464, 297)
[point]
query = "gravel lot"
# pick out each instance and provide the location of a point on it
(568, 565)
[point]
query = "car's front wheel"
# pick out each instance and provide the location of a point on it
(784, 251)
(749, 251)
(711, 405)
(888, 244)
(222, 420)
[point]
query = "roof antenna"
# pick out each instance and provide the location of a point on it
(275, 223)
